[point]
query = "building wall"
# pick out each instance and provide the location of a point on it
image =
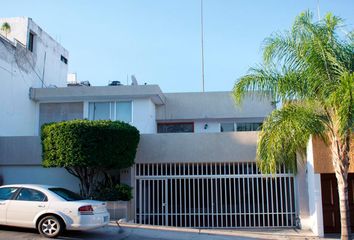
(21, 70)
(144, 115)
(20, 162)
(197, 147)
(49, 176)
(17, 111)
(212, 105)
(302, 193)
(19, 29)
(323, 156)
(314, 193)
(46, 54)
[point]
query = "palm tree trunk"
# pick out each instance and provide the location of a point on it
(344, 207)
(340, 158)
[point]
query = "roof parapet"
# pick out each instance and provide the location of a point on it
(98, 93)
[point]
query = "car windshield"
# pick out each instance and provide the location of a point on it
(66, 194)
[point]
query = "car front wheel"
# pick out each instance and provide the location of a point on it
(50, 226)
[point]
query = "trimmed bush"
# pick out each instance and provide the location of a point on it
(89, 148)
(118, 192)
(124, 192)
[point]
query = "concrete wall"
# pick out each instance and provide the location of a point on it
(322, 156)
(19, 29)
(20, 162)
(153, 148)
(47, 52)
(39, 175)
(20, 151)
(144, 115)
(314, 194)
(17, 111)
(302, 193)
(212, 105)
(197, 147)
(21, 70)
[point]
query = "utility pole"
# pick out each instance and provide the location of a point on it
(202, 42)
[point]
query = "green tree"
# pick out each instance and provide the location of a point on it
(309, 69)
(5, 27)
(88, 149)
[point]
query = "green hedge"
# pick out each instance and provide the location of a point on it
(102, 144)
(114, 193)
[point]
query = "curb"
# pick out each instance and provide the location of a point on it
(252, 233)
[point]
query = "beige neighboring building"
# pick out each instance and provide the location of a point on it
(195, 165)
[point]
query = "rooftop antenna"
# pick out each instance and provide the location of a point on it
(202, 41)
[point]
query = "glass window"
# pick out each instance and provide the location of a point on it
(63, 59)
(99, 111)
(227, 127)
(31, 42)
(248, 126)
(175, 127)
(7, 193)
(66, 194)
(27, 194)
(124, 111)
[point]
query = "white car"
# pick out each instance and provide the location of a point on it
(49, 209)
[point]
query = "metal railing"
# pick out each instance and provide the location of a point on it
(213, 195)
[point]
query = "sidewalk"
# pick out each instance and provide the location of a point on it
(191, 233)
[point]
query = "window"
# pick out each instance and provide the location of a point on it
(27, 194)
(121, 111)
(248, 126)
(31, 41)
(124, 111)
(99, 111)
(66, 194)
(240, 127)
(227, 127)
(7, 193)
(63, 59)
(175, 127)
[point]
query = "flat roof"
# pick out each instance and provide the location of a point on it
(82, 93)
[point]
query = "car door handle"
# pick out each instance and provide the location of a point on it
(2, 203)
(41, 206)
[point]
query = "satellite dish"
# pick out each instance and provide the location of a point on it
(134, 81)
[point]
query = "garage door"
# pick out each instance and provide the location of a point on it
(213, 195)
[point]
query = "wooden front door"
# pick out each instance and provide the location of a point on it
(330, 202)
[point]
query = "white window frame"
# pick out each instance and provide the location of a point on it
(112, 112)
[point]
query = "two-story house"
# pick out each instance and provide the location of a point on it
(195, 164)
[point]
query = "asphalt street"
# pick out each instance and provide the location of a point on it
(110, 232)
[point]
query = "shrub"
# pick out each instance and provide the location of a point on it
(113, 193)
(124, 192)
(87, 149)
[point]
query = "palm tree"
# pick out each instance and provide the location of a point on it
(5, 27)
(309, 69)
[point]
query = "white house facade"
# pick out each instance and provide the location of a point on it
(195, 164)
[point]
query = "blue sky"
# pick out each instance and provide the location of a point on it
(159, 40)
